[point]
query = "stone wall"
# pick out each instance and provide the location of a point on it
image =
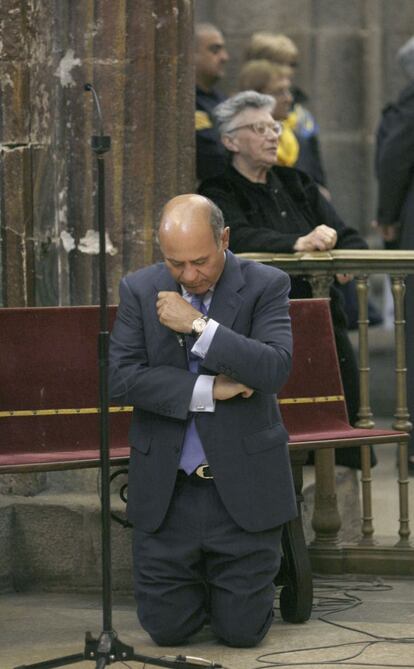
(347, 68)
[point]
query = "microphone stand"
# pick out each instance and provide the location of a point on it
(108, 649)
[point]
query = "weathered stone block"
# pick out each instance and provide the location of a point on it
(16, 227)
(339, 15)
(14, 27)
(57, 544)
(6, 575)
(343, 159)
(48, 544)
(398, 15)
(272, 15)
(338, 93)
(26, 484)
(14, 103)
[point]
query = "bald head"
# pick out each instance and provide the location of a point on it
(185, 214)
(193, 240)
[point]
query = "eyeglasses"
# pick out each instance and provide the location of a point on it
(261, 128)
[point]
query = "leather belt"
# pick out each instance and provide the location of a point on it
(202, 472)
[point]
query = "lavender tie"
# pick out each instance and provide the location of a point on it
(192, 454)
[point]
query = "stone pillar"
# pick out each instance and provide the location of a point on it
(139, 57)
(16, 193)
(15, 157)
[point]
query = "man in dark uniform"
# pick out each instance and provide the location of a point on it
(210, 60)
(395, 173)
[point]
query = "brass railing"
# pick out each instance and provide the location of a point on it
(367, 553)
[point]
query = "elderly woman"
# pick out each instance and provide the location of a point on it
(277, 209)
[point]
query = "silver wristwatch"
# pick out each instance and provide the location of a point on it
(198, 326)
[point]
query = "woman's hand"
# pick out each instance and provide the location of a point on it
(322, 238)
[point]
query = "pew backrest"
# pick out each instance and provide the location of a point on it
(49, 390)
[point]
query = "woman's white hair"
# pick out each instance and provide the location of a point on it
(226, 111)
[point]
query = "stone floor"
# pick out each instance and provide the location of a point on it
(375, 618)
(369, 622)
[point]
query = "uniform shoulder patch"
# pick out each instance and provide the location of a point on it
(202, 120)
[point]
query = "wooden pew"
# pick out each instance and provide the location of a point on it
(49, 391)
(312, 401)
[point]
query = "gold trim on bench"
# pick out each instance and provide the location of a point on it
(126, 409)
(60, 412)
(312, 400)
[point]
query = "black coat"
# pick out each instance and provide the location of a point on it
(211, 156)
(395, 167)
(270, 217)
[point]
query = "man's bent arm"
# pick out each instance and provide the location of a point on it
(261, 361)
(162, 389)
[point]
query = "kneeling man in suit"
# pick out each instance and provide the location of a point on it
(201, 345)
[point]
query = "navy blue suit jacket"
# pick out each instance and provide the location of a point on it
(244, 439)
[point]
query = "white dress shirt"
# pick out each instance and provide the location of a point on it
(202, 397)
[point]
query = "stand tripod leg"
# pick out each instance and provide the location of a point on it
(57, 662)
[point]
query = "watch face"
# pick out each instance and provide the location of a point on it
(198, 326)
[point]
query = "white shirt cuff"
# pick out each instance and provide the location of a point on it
(202, 344)
(202, 397)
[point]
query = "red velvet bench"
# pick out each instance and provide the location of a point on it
(49, 392)
(312, 401)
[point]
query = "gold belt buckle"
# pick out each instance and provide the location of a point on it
(201, 472)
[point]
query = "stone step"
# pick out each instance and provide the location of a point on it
(52, 540)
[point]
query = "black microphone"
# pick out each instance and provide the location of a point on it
(100, 143)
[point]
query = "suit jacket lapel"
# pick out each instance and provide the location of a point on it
(226, 300)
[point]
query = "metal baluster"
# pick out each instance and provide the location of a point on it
(326, 520)
(401, 416)
(366, 482)
(364, 414)
(404, 530)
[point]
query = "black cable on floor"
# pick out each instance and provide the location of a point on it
(346, 602)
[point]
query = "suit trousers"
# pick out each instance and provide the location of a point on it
(200, 567)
